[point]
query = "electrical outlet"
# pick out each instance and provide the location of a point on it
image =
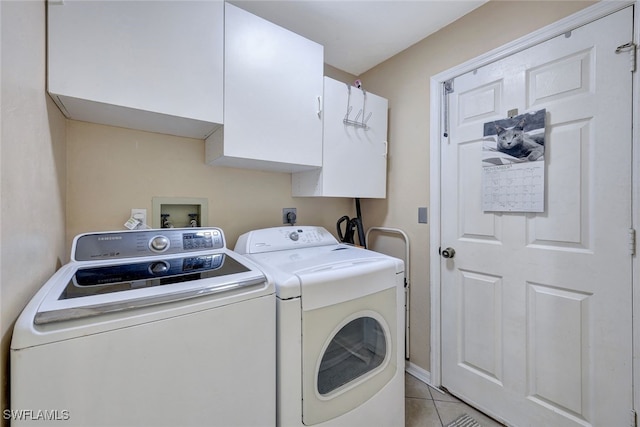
(140, 215)
(285, 215)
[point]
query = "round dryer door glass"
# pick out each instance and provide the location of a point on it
(359, 347)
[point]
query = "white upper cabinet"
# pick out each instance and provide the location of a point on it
(354, 146)
(149, 65)
(273, 88)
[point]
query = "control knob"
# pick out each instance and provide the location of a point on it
(159, 244)
(294, 236)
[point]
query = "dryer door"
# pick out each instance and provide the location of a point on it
(349, 348)
(357, 349)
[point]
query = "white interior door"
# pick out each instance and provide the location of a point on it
(536, 309)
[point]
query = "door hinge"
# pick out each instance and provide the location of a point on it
(634, 419)
(448, 87)
(632, 241)
(631, 48)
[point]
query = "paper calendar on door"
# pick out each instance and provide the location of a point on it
(513, 164)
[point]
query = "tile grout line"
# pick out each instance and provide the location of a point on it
(436, 407)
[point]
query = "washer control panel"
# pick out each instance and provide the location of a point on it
(139, 243)
(283, 238)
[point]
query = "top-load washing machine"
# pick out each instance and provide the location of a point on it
(340, 319)
(148, 328)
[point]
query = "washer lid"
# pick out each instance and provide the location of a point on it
(107, 279)
(100, 288)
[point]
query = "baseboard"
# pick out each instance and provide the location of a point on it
(416, 371)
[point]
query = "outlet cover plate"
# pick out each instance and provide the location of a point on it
(140, 215)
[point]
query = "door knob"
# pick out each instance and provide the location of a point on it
(448, 253)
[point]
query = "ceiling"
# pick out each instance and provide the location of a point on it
(357, 35)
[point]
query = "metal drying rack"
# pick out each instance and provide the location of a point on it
(357, 122)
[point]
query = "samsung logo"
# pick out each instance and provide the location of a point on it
(110, 238)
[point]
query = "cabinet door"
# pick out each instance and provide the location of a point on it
(273, 85)
(354, 153)
(138, 64)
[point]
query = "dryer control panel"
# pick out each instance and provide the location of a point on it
(283, 238)
(139, 243)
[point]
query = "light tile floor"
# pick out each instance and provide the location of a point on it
(428, 407)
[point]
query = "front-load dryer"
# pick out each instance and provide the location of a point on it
(339, 323)
(148, 328)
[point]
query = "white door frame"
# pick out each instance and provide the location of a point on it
(580, 18)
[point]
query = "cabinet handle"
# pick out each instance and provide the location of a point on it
(319, 107)
(386, 148)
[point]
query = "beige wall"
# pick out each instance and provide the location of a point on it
(111, 170)
(32, 166)
(339, 75)
(404, 80)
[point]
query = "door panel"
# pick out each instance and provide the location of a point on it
(568, 220)
(556, 312)
(481, 326)
(474, 224)
(536, 307)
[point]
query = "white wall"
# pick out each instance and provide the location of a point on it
(32, 167)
